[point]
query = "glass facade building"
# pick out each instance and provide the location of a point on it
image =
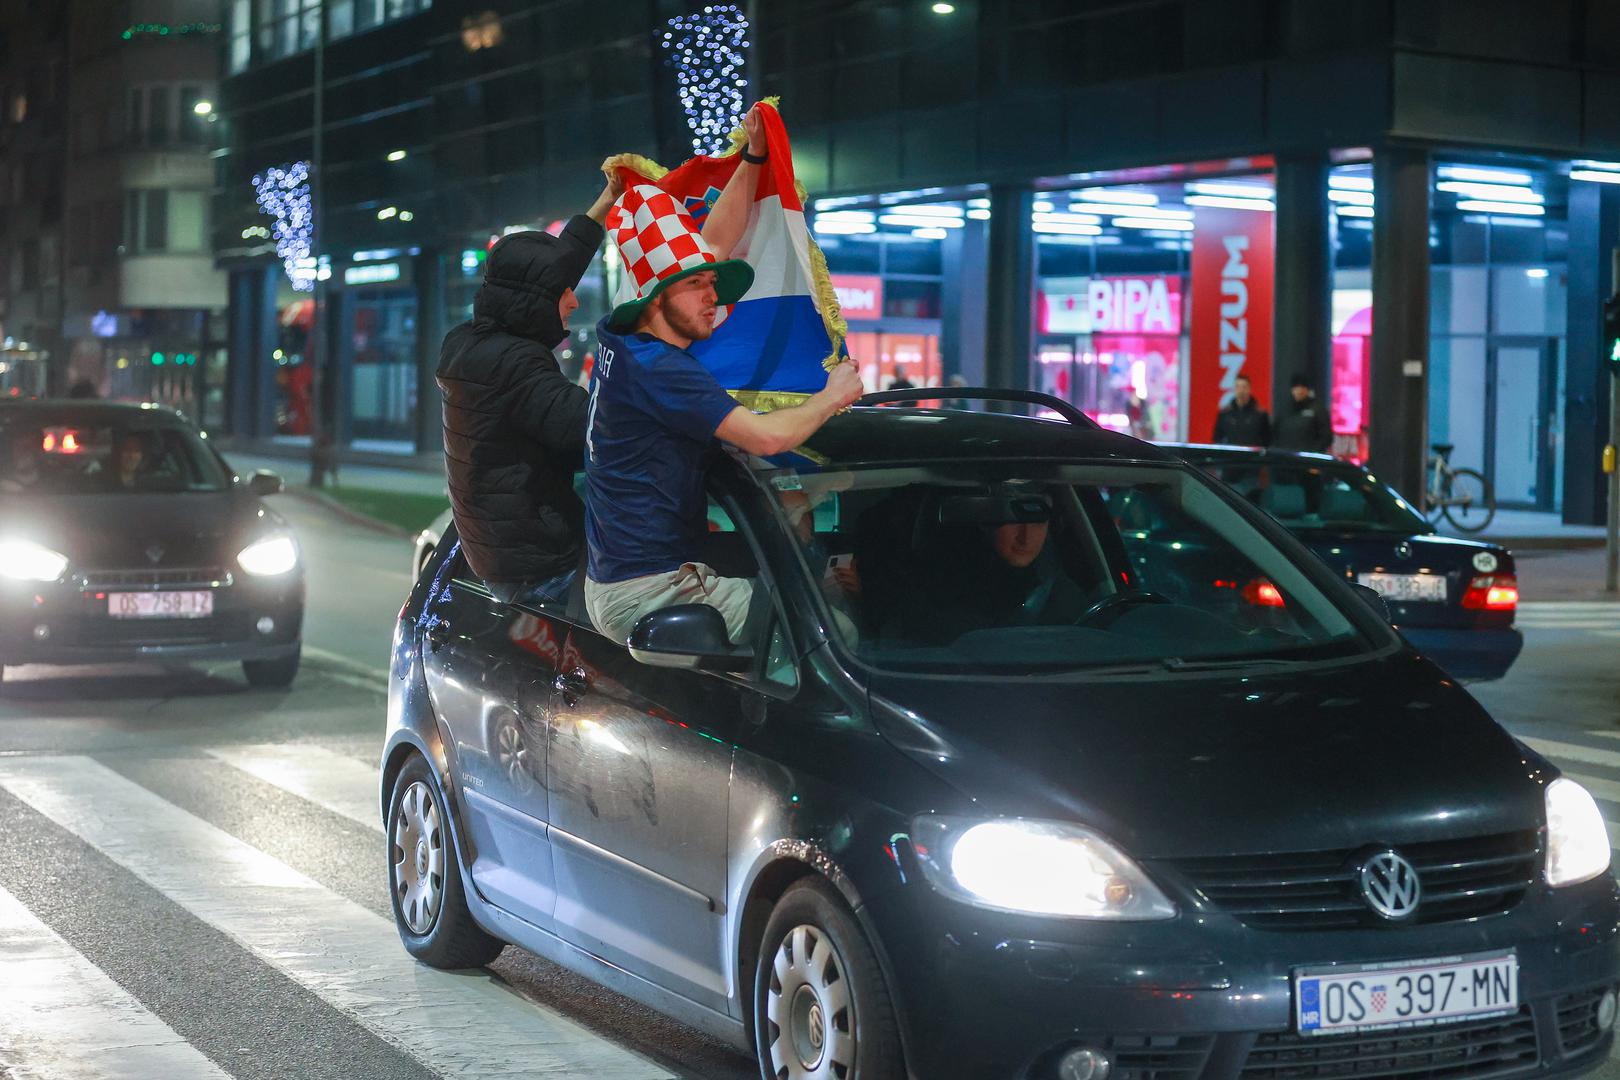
(1124, 206)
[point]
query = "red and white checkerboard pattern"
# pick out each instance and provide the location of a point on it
(657, 238)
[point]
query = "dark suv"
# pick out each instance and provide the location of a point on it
(1051, 757)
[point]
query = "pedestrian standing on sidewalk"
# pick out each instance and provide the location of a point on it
(514, 424)
(1243, 422)
(1304, 424)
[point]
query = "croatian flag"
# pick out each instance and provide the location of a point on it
(775, 346)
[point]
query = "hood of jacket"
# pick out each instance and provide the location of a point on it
(525, 277)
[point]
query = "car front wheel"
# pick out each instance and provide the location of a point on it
(821, 1009)
(424, 878)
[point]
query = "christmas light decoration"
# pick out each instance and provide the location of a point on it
(283, 195)
(708, 49)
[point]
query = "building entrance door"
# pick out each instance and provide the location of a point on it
(1523, 381)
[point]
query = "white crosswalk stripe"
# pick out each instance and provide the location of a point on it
(331, 781)
(457, 1024)
(62, 1018)
(1569, 615)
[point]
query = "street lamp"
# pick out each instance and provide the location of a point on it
(203, 108)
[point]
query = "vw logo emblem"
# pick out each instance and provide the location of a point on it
(1403, 550)
(155, 553)
(1390, 885)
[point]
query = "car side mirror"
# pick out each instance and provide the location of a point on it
(1373, 599)
(265, 482)
(687, 636)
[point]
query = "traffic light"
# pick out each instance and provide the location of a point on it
(1611, 334)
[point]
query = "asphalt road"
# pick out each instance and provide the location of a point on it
(192, 882)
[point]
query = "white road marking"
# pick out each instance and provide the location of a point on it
(1563, 751)
(365, 676)
(62, 1018)
(340, 784)
(459, 1024)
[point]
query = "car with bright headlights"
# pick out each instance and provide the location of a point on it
(124, 537)
(1001, 783)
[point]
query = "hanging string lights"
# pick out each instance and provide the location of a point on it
(283, 195)
(708, 49)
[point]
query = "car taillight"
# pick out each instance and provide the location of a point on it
(1262, 593)
(1492, 592)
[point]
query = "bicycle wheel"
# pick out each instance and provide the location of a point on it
(1469, 500)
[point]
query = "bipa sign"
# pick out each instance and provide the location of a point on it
(1146, 304)
(860, 296)
(1134, 305)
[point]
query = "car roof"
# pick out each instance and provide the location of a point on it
(1210, 451)
(88, 413)
(874, 436)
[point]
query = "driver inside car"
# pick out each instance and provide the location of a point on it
(996, 573)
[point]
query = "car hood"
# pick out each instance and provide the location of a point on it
(1383, 751)
(140, 531)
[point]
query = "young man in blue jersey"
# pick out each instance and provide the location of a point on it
(656, 411)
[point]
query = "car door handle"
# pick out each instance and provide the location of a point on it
(571, 685)
(437, 635)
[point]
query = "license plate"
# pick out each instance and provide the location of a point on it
(1406, 586)
(160, 605)
(1405, 995)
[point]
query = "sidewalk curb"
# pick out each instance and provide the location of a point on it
(353, 517)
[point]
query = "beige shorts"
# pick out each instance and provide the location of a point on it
(616, 607)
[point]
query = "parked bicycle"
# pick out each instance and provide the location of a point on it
(1461, 496)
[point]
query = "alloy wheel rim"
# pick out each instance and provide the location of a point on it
(418, 858)
(810, 1019)
(511, 754)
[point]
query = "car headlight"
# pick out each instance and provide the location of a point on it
(1577, 839)
(270, 556)
(24, 560)
(1035, 867)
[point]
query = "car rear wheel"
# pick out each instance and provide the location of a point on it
(272, 673)
(424, 878)
(821, 1009)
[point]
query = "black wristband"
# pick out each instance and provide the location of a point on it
(755, 159)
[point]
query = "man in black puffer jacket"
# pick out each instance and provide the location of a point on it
(514, 424)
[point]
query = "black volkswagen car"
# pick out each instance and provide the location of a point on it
(1454, 599)
(125, 537)
(1005, 784)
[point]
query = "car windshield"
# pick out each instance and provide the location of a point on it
(1306, 495)
(1042, 568)
(59, 457)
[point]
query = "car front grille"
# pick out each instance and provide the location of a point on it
(195, 577)
(234, 626)
(1471, 1050)
(1578, 1028)
(1319, 890)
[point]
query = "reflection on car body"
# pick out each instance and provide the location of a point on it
(920, 831)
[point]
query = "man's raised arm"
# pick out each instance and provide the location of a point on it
(728, 217)
(770, 433)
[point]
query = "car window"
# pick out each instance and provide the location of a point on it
(1002, 567)
(1311, 495)
(58, 457)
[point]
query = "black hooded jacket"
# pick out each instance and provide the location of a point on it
(514, 424)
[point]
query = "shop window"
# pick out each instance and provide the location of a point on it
(911, 299)
(1529, 300)
(146, 221)
(1457, 300)
(852, 254)
(916, 257)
